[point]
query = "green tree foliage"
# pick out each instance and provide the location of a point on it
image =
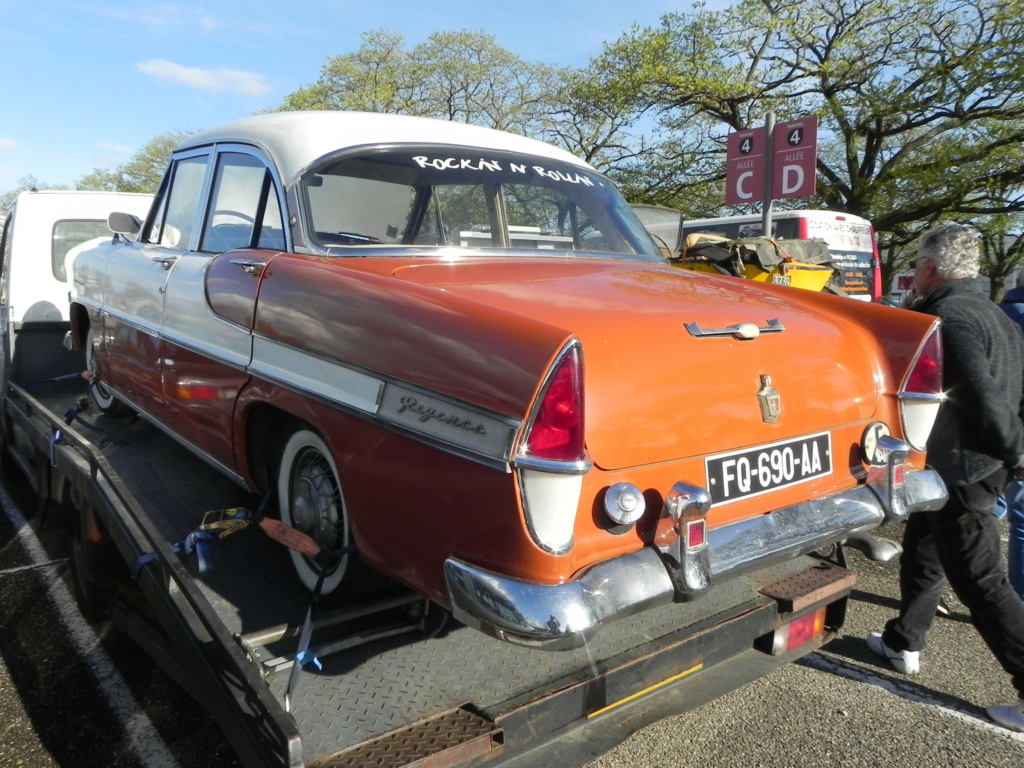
(464, 76)
(142, 173)
(920, 102)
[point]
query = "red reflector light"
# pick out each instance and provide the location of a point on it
(897, 476)
(926, 376)
(696, 533)
(805, 628)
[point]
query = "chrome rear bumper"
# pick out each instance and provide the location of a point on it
(563, 616)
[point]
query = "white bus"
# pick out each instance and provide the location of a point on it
(851, 239)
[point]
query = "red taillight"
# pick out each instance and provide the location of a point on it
(805, 628)
(926, 376)
(556, 433)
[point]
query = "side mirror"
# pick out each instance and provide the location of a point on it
(124, 224)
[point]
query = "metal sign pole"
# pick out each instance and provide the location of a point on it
(766, 206)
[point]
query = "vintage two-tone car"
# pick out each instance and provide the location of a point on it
(459, 351)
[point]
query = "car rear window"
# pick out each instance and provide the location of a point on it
(460, 198)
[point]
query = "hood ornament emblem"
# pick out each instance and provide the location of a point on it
(769, 399)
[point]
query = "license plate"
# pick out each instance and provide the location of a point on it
(765, 468)
(780, 279)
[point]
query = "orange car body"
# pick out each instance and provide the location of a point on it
(537, 423)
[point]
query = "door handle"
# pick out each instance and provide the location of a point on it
(164, 261)
(252, 266)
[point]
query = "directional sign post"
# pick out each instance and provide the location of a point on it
(776, 161)
(746, 152)
(795, 148)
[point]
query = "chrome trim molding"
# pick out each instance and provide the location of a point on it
(184, 443)
(564, 616)
(458, 428)
(555, 467)
(334, 382)
(937, 397)
(739, 331)
(447, 423)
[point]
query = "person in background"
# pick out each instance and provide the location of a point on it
(1013, 499)
(976, 445)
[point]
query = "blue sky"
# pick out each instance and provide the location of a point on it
(86, 83)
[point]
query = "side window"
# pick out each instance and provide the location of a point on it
(172, 225)
(244, 209)
(69, 233)
(350, 210)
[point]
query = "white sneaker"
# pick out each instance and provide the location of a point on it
(1010, 717)
(907, 662)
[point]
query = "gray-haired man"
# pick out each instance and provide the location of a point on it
(976, 446)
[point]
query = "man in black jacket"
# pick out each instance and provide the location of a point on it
(976, 446)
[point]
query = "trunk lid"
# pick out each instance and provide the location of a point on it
(654, 391)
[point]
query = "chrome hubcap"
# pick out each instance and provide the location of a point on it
(316, 501)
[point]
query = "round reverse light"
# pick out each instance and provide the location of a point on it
(624, 503)
(869, 443)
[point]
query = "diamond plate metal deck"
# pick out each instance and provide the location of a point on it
(370, 694)
(445, 740)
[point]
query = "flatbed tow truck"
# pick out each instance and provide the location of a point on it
(388, 683)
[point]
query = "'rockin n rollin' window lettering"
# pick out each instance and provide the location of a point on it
(454, 197)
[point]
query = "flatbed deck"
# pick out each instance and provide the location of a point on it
(449, 694)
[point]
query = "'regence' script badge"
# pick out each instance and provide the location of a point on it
(769, 399)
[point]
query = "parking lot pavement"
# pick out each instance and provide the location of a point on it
(842, 705)
(838, 706)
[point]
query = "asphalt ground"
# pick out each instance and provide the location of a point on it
(79, 696)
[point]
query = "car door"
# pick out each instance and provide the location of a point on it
(134, 284)
(206, 351)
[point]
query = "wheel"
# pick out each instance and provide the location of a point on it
(93, 573)
(103, 398)
(310, 500)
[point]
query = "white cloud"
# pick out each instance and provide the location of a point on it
(209, 25)
(6, 144)
(210, 80)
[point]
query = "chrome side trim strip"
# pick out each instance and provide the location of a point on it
(329, 380)
(458, 428)
(563, 616)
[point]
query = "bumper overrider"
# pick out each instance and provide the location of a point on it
(564, 616)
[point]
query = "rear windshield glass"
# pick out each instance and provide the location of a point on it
(462, 198)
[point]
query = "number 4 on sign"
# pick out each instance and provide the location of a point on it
(796, 137)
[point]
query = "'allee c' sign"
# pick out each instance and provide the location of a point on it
(793, 160)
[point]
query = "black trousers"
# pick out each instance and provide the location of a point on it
(960, 542)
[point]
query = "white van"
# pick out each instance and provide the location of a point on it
(38, 231)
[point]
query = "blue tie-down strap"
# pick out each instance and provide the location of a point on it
(72, 413)
(308, 657)
(199, 542)
(216, 525)
(149, 557)
(66, 377)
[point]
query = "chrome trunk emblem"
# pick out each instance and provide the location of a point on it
(769, 399)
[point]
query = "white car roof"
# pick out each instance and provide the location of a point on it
(294, 140)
